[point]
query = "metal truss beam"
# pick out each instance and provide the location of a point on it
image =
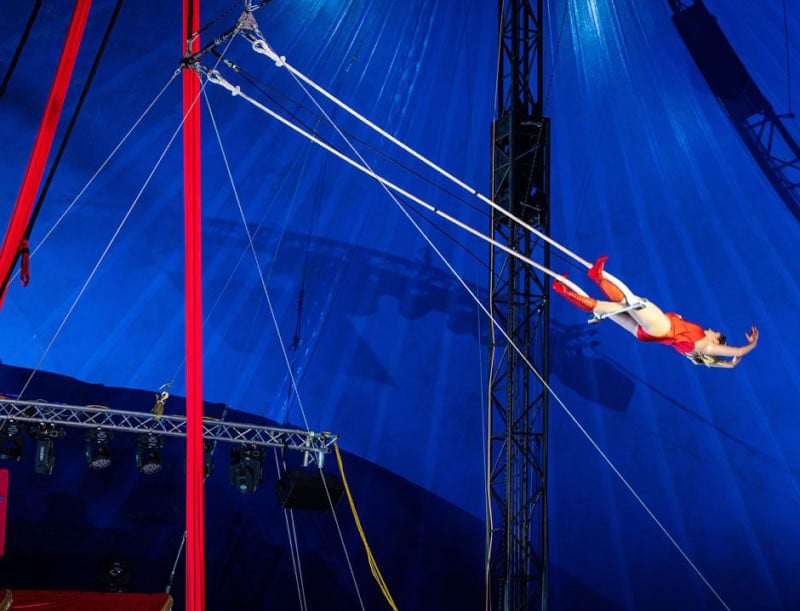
(314, 445)
(752, 115)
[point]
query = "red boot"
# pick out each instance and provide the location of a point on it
(609, 288)
(584, 302)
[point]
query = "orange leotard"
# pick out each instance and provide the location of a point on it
(682, 334)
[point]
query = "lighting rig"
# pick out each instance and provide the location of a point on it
(45, 434)
(47, 422)
(98, 448)
(11, 442)
(247, 468)
(148, 453)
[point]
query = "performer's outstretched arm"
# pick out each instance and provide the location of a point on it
(735, 352)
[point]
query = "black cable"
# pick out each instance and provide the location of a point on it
(261, 88)
(65, 140)
(26, 32)
(408, 207)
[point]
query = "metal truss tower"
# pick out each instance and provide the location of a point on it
(517, 531)
(761, 128)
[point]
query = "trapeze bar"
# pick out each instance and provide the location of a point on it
(627, 308)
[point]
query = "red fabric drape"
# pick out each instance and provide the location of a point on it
(195, 518)
(41, 147)
(3, 508)
(43, 600)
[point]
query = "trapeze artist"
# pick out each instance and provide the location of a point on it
(648, 323)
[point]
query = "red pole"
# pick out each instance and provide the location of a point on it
(41, 147)
(195, 519)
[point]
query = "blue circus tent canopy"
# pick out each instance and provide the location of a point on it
(333, 306)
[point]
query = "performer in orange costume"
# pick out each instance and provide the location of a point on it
(648, 323)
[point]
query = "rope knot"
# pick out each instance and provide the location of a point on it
(261, 46)
(25, 265)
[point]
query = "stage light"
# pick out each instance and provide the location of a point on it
(148, 453)
(208, 458)
(11, 442)
(246, 468)
(98, 448)
(45, 435)
(114, 574)
(45, 458)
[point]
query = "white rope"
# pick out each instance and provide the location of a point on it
(294, 550)
(236, 91)
(103, 165)
(291, 527)
(102, 256)
(295, 388)
(524, 357)
(264, 288)
(341, 537)
(172, 574)
(488, 469)
(234, 270)
(216, 78)
(391, 195)
(262, 47)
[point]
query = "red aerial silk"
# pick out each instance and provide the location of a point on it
(195, 518)
(3, 510)
(13, 242)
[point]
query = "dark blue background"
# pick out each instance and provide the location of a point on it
(646, 167)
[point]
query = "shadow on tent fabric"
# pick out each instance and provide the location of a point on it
(578, 366)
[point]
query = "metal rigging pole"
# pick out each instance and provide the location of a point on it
(517, 532)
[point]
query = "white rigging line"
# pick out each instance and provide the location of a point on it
(294, 549)
(212, 308)
(405, 212)
(397, 202)
(491, 365)
(105, 251)
(258, 263)
(216, 78)
(295, 387)
(519, 351)
(262, 47)
(103, 165)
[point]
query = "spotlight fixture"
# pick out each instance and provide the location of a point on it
(114, 574)
(247, 471)
(208, 457)
(45, 435)
(148, 453)
(11, 443)
(98, 448)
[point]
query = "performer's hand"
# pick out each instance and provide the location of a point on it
(752, 337)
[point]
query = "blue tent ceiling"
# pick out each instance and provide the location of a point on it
(391, 350)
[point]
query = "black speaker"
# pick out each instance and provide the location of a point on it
(304, 489)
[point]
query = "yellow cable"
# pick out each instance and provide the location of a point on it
(373, 565)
